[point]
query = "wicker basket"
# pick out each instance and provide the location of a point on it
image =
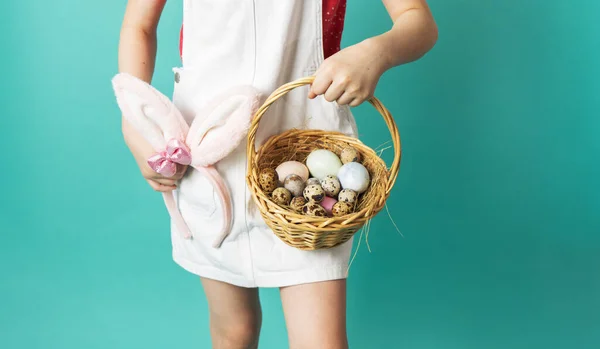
(312, 233)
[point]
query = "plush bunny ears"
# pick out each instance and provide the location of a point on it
(218, 128)
(150, 112)
(221, 125)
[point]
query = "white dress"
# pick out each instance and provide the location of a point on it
(264, 43)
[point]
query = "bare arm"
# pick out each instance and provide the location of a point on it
(351, 75)
(137, 56)
(413, 34)
(137, 45)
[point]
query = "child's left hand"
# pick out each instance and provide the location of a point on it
(351, 75)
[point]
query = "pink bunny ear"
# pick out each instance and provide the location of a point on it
(153, 114)
(219, 127)
(157, 119)
(221, 188)
(216, 131)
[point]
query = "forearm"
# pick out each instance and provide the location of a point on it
(137, 52)
(413, 34)
(137, 45)
(137, 55)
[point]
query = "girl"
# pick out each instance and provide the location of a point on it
(265, 43)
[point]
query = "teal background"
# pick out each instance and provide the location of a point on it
(497, 199)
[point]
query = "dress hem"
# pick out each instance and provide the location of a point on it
(272, 280)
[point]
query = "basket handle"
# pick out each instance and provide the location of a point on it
(284, 89)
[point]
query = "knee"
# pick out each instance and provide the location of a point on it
(238, 335)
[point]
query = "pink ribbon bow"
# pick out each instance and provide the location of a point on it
(166, 161)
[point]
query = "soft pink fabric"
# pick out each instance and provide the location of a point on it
(165, 162)
(216, 131)
(220, 126)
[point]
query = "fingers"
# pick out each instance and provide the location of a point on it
(160, 187)
(345, 98)
(320, 84)
(335, 91)
(342, 94)
(164, 184)
(358, 101)
(166, 181)
(340, 88)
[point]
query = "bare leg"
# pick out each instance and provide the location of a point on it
(235, 315)
(315, 315)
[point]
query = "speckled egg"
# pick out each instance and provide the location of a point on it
(355, 176)
(268, 180)
(314, 209)
(322, 162)
(295, 184)
(314, 193)
(348, 195)
(331, 185)
(282, 196)
(313, 181)
(341, 208)
(349, 154)
(297, 204)
(292, 167)
(328, 203)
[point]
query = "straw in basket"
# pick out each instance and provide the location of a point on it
(312, 233)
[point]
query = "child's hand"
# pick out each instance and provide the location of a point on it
(351, 75)
(141, 151)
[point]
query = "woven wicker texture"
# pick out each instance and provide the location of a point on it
(306, 232)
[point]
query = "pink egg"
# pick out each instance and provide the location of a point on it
(292, 167)
(328, 203)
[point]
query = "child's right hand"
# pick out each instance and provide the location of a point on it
(141, 151)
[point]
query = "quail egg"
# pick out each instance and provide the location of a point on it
(282, 196)
(295, 184)
(341, 208)
(314, 193)
(348, 195)
(331, 185)
(349, 154)
(314, 209)
(268, 180)
(297, 204)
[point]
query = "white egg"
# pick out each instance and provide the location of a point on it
(322, 163)
(354, 176)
